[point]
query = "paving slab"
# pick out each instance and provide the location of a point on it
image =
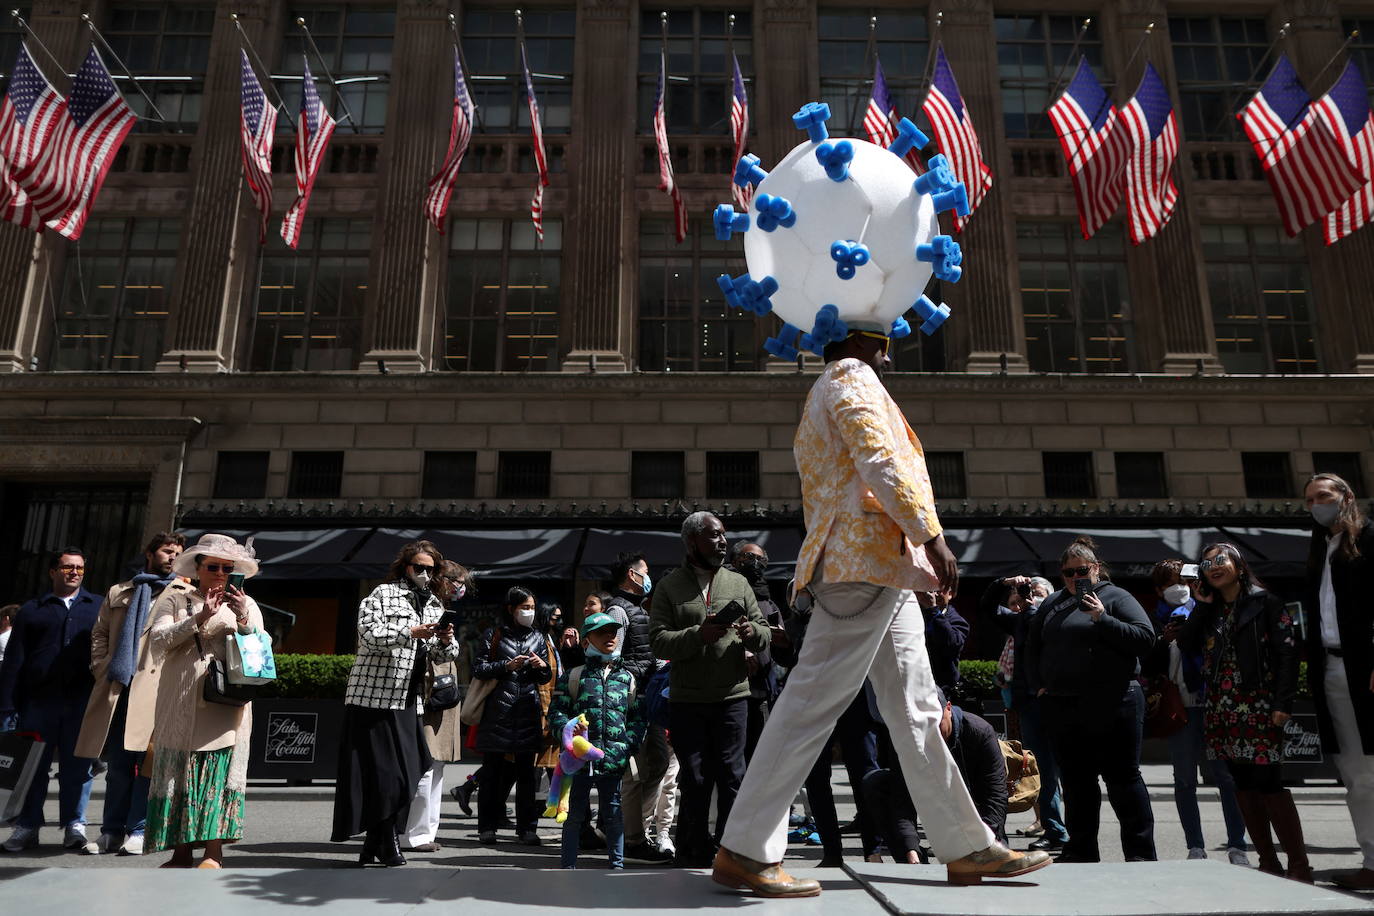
(1198, 888)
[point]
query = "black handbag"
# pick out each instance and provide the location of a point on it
(216, 687)
(443, 693)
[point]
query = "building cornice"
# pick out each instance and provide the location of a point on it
(83, 430)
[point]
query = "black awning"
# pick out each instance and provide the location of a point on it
(533, 553)
(991, 552)
(296, 553)
(663, 550)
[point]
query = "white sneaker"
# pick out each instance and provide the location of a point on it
(666, 847)
(1238, 857)
(75, 837)
(107, 843)
(22, 838)
(133, 845)
(1197, 852)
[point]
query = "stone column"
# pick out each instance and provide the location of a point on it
(986, 304)
(601, 241)
(787, 75)
(1343, 273)
(217, 259)
(401, 295)
(1173, 312)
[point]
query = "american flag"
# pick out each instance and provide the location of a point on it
(314, 127)
(953, 129)
(28, 114)
(1308, 170)
(540, 159)
(1150, 123)
(257, 126)
(880, 118)
(63, 179)
(1345, 109)
(1096, 147)
(459, 133)
(666, 181)
(739, 129)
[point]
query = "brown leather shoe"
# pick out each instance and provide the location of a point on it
(997, 861)
(737, 872)
(1361, 879)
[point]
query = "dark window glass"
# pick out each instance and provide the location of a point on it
(700, 72)
(241, 475)
(493, 65)
(523, 475)
(310, 301)
(166, 46)
(849, 50)
(1036, 57)
(1345, 465)
(503, 288)
(1268, 475)
(315, 475)
(113, 310)
(1140, 475)
(732, 475)
(946, 471)
(355, 45)
(657, 475)
(1075, 298)
(1261, 292)
(449, 475)
(1069, 475)
(1215, 57)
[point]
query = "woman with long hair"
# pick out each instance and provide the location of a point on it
(1250, 675)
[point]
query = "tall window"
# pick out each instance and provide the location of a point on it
(502, 310)
(1069, 475)
(732, 475)
(492, 55)
(1345, 465)
(900, 42)
(658, 475)
(1268, 475)
(523, 475)
(1214, 57)
(700, 73)
(1075, 298)
(310, 301)
(1261, 299)
(113, 310)
(684, 321)
(315, 475)
(1141, 475)
(947, 477)
(241, 475)
(1034, 52)
(356, 47)
(166, 45)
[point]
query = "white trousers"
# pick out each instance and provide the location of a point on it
(422, 826)
(857, 630)
(1356, 769)
(665, 807)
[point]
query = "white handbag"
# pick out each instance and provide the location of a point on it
(250, 658)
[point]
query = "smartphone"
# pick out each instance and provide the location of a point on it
(236, 580)
(1189, 571)
(730, 613)
(1298, 616)
(448, 618)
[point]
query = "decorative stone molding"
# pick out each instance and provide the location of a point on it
(80, 429)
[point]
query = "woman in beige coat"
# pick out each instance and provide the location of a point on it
(200, 749)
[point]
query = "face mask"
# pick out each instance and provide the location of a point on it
(420, 578)
(751, 567)
(459, 592)
(647, 583)
(594, 653)
(1176, 595)
(1325, 514)
(524, 617)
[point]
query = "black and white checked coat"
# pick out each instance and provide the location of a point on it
(380, 678)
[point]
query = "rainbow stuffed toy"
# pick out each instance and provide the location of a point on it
(577, 753)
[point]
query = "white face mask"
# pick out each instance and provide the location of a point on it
(524, 617)
(420, 577)
(1176, 595)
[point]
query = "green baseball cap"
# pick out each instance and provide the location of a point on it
(597, 621)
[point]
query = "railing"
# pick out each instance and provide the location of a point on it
(153, 154)
(346, 155)
(691, 156)
(1223, 162)
(1036, 159)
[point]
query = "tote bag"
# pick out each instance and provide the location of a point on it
(20, 753)
(250, 658)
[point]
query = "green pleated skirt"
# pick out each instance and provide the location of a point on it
(190, 800)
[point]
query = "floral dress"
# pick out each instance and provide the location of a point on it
(1237, 720)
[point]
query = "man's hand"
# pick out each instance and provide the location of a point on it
(743, 629)
(946, 567)
(711, 631)
(778, 637)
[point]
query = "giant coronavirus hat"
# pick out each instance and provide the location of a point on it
(840, 237)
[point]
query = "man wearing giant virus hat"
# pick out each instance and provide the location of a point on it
(841, 240)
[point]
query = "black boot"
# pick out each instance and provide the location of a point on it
(389, 852)
(370, 844)
(463, 795)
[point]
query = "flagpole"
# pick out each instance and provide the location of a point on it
(1063, 71)
(28, 30)
(279, 104)
(870, 56)
(1339, 51)
(1283, 33)
(86, 18)
(463, 62)
(928, 71)
(1149, 29)
(338, 96)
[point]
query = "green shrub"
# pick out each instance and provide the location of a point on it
(310, 677)
(979, 674)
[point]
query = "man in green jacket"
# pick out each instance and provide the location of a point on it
(709, 684)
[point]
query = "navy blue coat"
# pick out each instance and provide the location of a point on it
(49, 652)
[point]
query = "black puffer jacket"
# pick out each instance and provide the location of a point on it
(1266, 645)
(636, 655)
(512, 719)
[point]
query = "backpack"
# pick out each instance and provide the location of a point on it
(1023, 776)
(656, 697)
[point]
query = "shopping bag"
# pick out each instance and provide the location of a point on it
(20, 753)
(250, 658)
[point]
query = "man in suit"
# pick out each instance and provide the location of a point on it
(45, 679)
(873, 540)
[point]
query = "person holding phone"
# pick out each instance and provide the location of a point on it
(383, 752)
(1083, 653)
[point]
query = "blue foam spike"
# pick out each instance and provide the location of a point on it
(727, 286)
(848, 256)
(774, 212)
(945, 255)
(784, 346)
(835, 157)
(811, 119)
(900, 329)
(933, 315)
(956, 199)
(908, 137)
(755, 295)
(828, 328)
(945, 190)
(728, 222)
(747, 171)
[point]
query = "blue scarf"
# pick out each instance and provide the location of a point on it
(124, 658)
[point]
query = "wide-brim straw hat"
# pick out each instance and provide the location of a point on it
(222, 546)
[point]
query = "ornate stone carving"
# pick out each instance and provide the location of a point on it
(604, 9)
(787, 10)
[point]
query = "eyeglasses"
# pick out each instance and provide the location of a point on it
(218, 567)
(71, 569)
(1220, 559)
(875, 336)
(1075, 572)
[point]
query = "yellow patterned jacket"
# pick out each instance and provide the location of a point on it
(865, 490)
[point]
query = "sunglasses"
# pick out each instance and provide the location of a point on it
(418, 568)
(216, 567)
(874, 335)
(1075, 572)
(71, 569)
(1218, 560)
